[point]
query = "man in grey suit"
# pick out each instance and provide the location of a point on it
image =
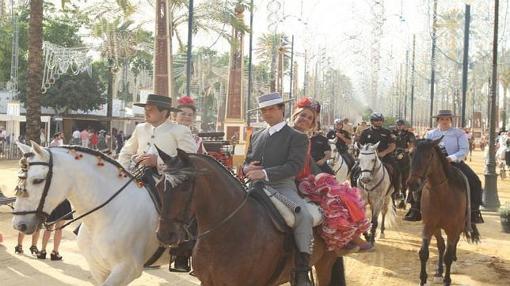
(276, 155)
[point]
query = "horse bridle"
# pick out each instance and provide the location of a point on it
(424, 179)
(371, 172)
(41, 214)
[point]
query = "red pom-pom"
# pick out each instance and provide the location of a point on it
(186, 100)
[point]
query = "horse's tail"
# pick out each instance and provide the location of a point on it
(338, 273)
(472, 235)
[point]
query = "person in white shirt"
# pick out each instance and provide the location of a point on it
(156, 131)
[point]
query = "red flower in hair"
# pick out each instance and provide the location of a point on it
(308, 102)
(304, 102)
(186, 100)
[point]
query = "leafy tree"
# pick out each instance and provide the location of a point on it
(75, 92)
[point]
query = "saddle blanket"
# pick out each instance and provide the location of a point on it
(286, 208)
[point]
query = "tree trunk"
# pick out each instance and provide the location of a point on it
(35, 35)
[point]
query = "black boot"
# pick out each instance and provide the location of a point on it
(181, 264)
(476, 216)
(414, 213)
(302, 267)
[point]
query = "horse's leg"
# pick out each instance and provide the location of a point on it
(324, 269)
(448, 258)
(424, 256)
(123, 273)
(384, 210)
(375, 216)
(441, 249)
(86, 246)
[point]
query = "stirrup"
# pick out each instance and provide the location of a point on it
(476, 217)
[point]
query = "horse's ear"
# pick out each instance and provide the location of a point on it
(38, 149)
(164, 156)
(376, 145)
(23, 148)
(435, 142)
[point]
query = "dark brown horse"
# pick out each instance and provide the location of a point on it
(443, 206)
(237, 242)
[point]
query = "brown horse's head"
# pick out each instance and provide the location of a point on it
(425, 155)
(176, 190)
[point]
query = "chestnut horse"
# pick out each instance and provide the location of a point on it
(444, 206)
(237, 242)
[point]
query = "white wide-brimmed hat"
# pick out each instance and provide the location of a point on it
(269, 99)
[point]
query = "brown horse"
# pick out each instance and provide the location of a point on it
(443, 206)
(237, 242)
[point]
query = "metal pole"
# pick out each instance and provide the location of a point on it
(250, 73)
(291, 67)
(190, 46)
(305, 80)
(490, 196)
(405, 88)
(412, 81)
(433, 63)
(465, 63)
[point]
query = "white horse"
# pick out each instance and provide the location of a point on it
(377, 189)
(339, 165)
(116, 239)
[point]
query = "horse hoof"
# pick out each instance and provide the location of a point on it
(382, 236)
(438, 279)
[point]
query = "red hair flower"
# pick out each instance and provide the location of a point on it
(308, 102)
(186, 100)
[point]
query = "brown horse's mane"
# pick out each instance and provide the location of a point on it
(452, 173)
(222, 167)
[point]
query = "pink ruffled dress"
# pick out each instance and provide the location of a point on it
(343, 207)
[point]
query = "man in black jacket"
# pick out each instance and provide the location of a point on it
(276, 155)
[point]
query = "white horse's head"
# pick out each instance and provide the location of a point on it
(33, 203)
(368, 161)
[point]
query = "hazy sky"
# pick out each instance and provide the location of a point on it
(343, 30)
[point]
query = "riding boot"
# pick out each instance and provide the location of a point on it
(302, 267)
(414, 213)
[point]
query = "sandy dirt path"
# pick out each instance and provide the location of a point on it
(395, 261)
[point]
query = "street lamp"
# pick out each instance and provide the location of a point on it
(490, 196)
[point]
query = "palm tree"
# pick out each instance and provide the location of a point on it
(268, 47)
(35, 67)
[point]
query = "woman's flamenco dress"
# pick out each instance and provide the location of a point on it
(342, 206)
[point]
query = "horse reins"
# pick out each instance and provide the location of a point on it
(43, 215)
(181, 219)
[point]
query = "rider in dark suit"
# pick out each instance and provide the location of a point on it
(276, 155)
